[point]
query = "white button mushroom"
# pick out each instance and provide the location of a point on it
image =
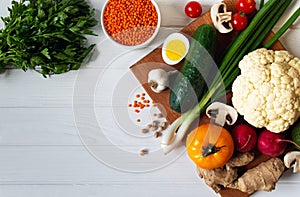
(222, 113)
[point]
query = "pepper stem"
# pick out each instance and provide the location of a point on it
(210, 149)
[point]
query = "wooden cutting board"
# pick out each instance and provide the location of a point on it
(154, 60)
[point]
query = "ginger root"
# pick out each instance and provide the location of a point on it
(221, 177)
(262, 177)
(240, 159)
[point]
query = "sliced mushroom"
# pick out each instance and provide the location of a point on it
(292, 159)
(221, 18)
(222, 113)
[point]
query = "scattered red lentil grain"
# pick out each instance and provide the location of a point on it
(139, 105)
(146, 101)
(130, 22)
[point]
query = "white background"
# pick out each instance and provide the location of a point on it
(41, 152)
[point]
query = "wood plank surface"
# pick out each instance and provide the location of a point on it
(42, 153)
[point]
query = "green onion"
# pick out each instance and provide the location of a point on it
(261, 4)
(270, 24)
(283, 29)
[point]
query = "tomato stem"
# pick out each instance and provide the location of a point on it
(210, 149)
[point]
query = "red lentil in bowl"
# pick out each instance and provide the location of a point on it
(130, 22)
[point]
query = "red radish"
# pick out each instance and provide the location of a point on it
(244, 137)
(271, 144)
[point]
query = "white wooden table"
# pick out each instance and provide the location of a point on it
(48, 128)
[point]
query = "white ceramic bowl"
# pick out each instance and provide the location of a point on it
(144, 44)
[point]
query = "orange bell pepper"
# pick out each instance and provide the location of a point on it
(210, 146)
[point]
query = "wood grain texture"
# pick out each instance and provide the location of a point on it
(154, 60)
(42, 154)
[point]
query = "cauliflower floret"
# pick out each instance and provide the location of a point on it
(267, 92)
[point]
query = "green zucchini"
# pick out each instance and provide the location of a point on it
(190, 84)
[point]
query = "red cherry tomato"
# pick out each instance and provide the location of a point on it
(193, 9)
(246, 6)
(239, 21)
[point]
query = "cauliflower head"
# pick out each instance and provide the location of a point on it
(267, 92)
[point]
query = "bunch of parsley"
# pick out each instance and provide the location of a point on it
(46, 35)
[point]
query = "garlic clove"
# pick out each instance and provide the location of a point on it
(158, 79)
